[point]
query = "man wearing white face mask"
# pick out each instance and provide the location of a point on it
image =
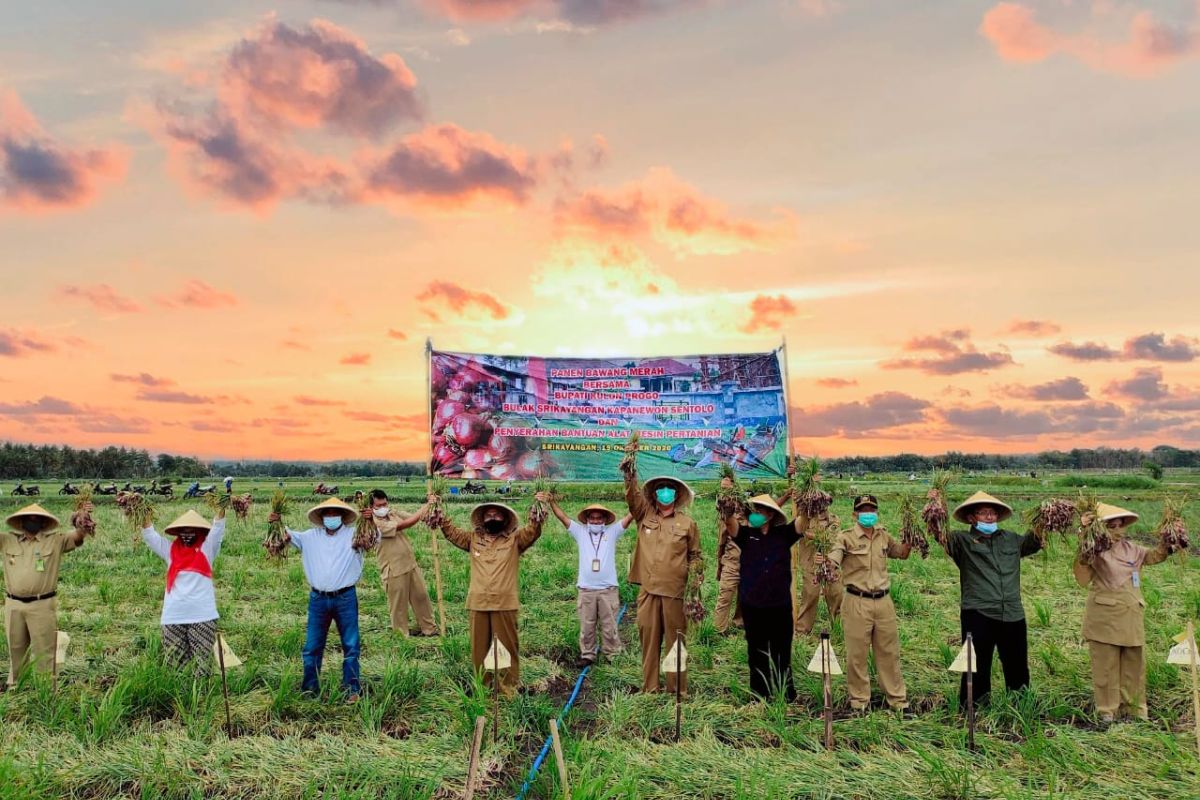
(596, 533)
(402, 578)
(332, 567)
(989, 568)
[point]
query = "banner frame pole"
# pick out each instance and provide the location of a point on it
(433, 535)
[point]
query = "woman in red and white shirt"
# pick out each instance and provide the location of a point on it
(189, 612)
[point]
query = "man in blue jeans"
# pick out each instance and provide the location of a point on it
(332, 568)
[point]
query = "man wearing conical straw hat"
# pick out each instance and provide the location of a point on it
(666, 553)
(1113, 619)
(189, 610)
(764, 540)
(868, 615)
(989, 570)
(495, 545)
(596, 531)
(332, 567)
(33, 549)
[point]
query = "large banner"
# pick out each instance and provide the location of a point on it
(523, 417)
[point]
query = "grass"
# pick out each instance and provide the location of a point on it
(123, 725)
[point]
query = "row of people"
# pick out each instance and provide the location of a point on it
(666, 553)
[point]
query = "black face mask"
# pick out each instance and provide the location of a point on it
(31, 525)
(494, 526)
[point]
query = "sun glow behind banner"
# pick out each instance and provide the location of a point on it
(522, 417)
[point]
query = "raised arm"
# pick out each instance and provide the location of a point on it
(1156, 556)
(456, 535)
(155, 541)
(212, 542)
(527, 535)
(1083, 572)
(836, 552)
(638, 507)
(558, 512)
(76, 537)
(1030, 544)
(625, 520)
(896, 549)
(404, 523)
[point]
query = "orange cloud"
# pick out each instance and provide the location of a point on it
(143, 378)
(459, 300)
(395, 334)
(197, 294)
(356, 359)
(671, 212)
(305, 400)
(19, 344)
(102, 297)
(38, 174)
(1150, 47)
(836, 383)
(1032, 327)
(577, 12)
(953, 354)
(768, 313)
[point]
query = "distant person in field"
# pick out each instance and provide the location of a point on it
(868, 615)
(666, 552)
(805, 585)
(764, 540)
(228, 484)
(729, 568)
(402, 578)
(495, 545)
(989, 568)
(189, 610)
(596, 531)
(332, 567)
(1113, 618)
(33, 549)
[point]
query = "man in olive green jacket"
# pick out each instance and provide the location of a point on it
(989, 570)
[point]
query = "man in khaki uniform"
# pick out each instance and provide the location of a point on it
(804, 579)
(667, 551)
(495, 545)
(402, 578)
(32, 553)
(1113, 618)
(868, 615)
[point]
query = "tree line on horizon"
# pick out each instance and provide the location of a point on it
(46, 462)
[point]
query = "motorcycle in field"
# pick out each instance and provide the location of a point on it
(324, 490)
(163, 490)
(196, 490)
(474, 487)
(110, 489)
(22, 491)
(69, 488)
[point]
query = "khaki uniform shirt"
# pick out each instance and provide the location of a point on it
(494, 564)
(862, 557)
(23, 556)
(1114, 613)
(666, 547)
(396, 556)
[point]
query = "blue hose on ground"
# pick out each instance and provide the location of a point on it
(537, 763)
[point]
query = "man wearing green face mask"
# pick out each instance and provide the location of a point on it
(667, 550)
(868, 615)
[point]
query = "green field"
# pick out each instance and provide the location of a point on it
(120, 725)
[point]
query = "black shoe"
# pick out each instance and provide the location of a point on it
(580, 663)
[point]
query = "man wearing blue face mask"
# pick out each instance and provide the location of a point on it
(989, 569)
(667, 550)
(868, 615)
(332, 567)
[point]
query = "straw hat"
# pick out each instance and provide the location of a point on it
(767, 502)
(609, 516)
(189, 521)
(1003, 510)
(1110, 512)
(510, 516)
(683, 492)
(332, 504)
(32, 510)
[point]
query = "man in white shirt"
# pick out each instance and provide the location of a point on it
(595, 534)
(332, 567)
(189, 612)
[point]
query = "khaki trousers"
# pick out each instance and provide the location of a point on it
(598, 607)
(871, 625)
(727, 600)
(659, 620)
(31, 626)
(409, 590)
(1119, 679)
(502, 625)
(804, 570)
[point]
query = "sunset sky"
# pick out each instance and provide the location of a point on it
(227, 228)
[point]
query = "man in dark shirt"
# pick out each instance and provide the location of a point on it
(765, 593)
(989, 568)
